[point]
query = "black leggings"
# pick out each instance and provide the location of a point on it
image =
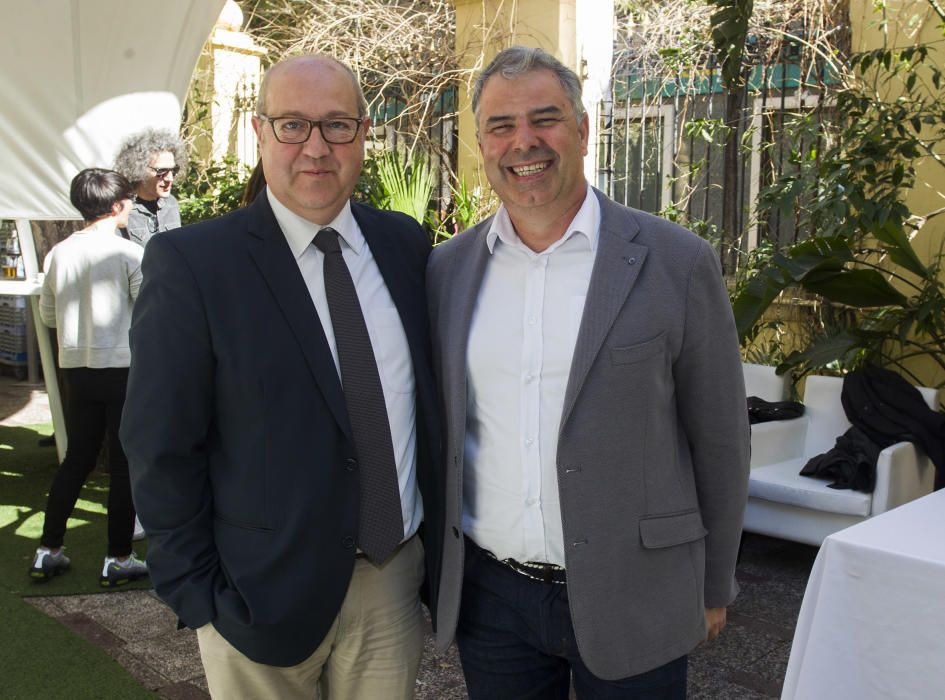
(93, 402)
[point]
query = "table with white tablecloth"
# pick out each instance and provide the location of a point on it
(872, 624)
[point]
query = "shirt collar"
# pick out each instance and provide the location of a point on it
(299, 232)
(586, 222)
(142, 207)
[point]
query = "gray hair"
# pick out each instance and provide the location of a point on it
(136, 152)
(519, 60)
(263, 94)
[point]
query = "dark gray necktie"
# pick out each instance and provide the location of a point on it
(380, 526)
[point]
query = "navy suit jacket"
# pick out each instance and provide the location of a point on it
(237, 434)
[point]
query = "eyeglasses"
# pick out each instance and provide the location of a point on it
(162, 173)
(336, 130)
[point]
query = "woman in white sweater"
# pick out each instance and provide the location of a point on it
(92, 279)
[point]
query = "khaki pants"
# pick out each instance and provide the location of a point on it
(372, 649)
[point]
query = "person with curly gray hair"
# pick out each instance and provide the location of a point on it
(151, 160)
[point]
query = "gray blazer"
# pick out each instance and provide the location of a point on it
(653, 443)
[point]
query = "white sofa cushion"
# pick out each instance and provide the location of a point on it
(783, 483)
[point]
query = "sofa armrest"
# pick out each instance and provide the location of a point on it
(903, 473)
(778, 441)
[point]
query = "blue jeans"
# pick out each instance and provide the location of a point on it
(516, 641)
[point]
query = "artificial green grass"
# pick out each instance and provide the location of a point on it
(40, 658)
(26, 473)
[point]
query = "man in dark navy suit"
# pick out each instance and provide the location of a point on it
(254, 468)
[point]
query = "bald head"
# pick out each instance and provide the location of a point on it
(313, 178)
(316, 62)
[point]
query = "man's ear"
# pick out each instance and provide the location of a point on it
(585, 129)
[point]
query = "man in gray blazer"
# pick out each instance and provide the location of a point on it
(597, 435)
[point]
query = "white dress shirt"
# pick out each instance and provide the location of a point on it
(388, 339)
(521, 342)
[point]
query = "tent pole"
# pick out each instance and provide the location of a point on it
(32, 269)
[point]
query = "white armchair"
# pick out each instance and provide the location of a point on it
(763, 382)
(784, 504)
(772, 439)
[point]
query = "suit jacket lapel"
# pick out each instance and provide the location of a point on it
(468, 267)
(616, 268)
(273, 257)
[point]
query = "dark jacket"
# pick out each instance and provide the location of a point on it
(849, 464)
(888, 409)
(237, 434)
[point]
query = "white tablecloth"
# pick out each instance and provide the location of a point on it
(872, 624)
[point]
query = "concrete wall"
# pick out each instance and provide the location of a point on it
(578, 32)
(910, 22)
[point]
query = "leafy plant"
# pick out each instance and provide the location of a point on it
(208, 191)
(729, 32)
(407, 183)
(467, 207)
(854, 196)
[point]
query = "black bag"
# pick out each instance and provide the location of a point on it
(761, 411)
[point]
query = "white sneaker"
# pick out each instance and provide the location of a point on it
(46, 564)
(118, 573)
(139, 533)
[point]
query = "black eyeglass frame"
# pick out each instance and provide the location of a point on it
(312, 123)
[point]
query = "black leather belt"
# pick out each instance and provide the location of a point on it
(535, 570)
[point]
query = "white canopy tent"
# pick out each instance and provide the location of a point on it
(77, 77)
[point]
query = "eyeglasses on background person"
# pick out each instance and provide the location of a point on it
(162, 173)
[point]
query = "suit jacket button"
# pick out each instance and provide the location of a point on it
(455, 532)
(348, 542)
(351, 464)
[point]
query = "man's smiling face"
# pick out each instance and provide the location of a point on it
(532, 144)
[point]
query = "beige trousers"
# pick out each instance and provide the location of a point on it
(372, 649)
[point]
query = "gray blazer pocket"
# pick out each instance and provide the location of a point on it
(630, 354)
(669, 530)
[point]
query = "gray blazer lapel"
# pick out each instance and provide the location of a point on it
(464, 278)
(616, 268)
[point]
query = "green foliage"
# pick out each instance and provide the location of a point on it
(853, 193)
(466, 205)
(708, 130)
(729, 32)
(368, 188)
(212, 190)
(466, 208)
(407, 183)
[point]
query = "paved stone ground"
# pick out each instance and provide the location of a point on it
(748, 660)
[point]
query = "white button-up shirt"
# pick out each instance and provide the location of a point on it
(388, 339)
(521, 342)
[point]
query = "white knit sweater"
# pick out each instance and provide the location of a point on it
(92, 279)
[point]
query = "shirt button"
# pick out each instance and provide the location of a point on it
(529, 441)
(531, 501)
(532, 321)
(351, 464)
(348, 542)
(528, 378)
